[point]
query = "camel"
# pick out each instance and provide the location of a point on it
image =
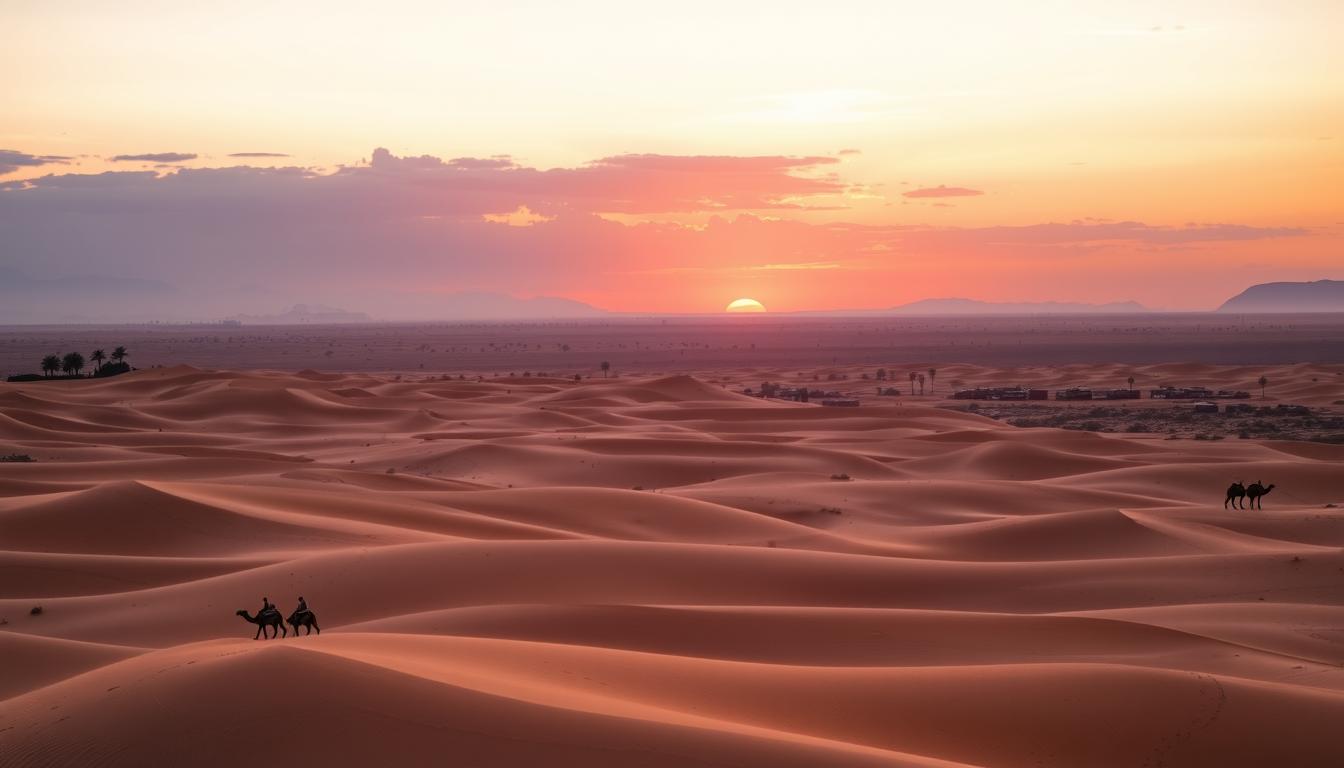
(263, 620)
(306, 619)
(1257, 492)
(1235, 494)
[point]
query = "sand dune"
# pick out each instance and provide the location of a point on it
(654, 572)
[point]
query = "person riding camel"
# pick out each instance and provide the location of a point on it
(303, 606)
(266, 606)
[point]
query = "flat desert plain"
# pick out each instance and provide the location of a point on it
(654, 571)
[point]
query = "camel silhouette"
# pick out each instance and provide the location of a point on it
(263, 620)
(1236, 492)
(306, 619)
(1257, 492)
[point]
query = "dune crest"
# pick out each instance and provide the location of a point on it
(653, 572)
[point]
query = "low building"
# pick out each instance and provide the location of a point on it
(1121, 394)
(991, 393)
(1206, 407)
(1073, 393)
(1196, 393)
(841, 403)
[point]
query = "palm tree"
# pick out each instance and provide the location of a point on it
(119, 354)
(921, 383)
(1131, 382)
(1263, 381)
(933, 374)
(98, 356)
(72, 363)
(51, 364)
(913, 377)
(606, 366)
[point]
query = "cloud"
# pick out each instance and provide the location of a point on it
(12, 160)
(156, 157)
(257, 154)
(389, 236)
(942, 191)
(1084, 233)
(631, 184)
(523, 217)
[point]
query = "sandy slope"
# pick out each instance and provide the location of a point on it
(650, 572)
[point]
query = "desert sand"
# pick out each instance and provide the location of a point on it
(655, 571)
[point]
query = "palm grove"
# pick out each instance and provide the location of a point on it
(72, 364)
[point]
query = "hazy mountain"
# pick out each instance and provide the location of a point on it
(305, 314)
(466, 305)
(956, 306)
(470, 305)
(1318, 296)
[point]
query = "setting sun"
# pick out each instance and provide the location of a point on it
(745, 305)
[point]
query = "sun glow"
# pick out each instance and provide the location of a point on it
(745, 305)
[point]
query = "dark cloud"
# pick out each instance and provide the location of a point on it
(12, 160)
(258, 154)
(942, 191)
(156, 157)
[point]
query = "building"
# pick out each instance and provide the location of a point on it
(991, 393)
(1073, 393)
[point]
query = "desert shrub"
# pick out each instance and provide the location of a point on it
(840, 476)
(36, 611)
(1137, 426)
(17, 458)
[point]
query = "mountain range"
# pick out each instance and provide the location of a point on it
(1317, 296)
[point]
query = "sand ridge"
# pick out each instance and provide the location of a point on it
(653, 571)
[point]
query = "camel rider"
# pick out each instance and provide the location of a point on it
(266, 606)
(303, 605)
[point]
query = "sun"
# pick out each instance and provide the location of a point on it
(745, 305)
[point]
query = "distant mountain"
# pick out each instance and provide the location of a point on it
(498, 306)
(1318, 296)
(973, 307)
(304, 314)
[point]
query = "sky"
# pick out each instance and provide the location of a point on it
(189, 161)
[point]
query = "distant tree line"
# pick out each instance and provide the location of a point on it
(72, 365)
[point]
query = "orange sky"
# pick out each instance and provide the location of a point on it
(924, 148)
